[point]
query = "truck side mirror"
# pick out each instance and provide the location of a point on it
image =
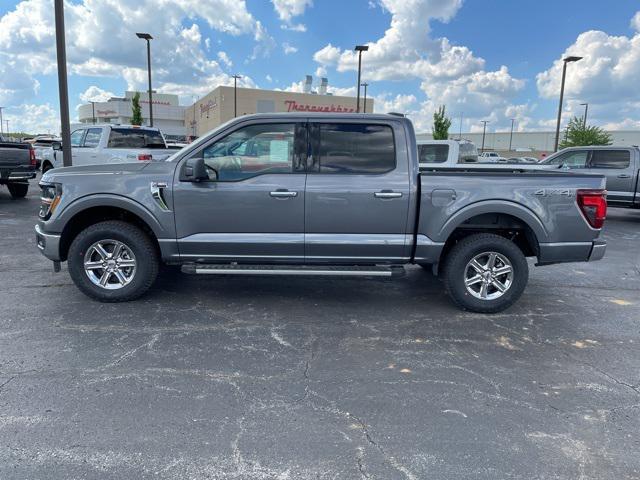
(56, 146)
(194, 170)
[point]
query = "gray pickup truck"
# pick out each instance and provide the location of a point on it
(17, 166)
(619, 165)
(315, 194)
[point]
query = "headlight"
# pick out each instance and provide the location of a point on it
(50, 199)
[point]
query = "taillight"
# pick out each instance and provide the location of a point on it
(32, 157)
(144, 157)
(593, 205)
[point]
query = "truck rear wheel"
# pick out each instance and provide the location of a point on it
(485, 273)
(18, 190)
(113, 261)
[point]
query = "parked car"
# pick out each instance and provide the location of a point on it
(490, 157)
(41, 146)
(17, 166)
(620, 166)
(103, 144)
(315, 194)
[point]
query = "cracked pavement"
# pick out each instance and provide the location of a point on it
(318, 378)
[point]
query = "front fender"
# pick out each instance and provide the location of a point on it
(516, 210)
(110, 200)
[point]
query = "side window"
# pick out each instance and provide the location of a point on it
(610, 159)
(468, 153)
(355, 148)
(92, 139)
(433, 153)
(76, 138)
(251, 151)
(572, 160)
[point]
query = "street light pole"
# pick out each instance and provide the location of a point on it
(235, 94)
(564, 74)
(511, 135)
(460, 135)
(484, 131)
(365, 85)
(1, 126)
(359, 49)
(586, 110)
(7, 122)
(63, 91)
(93, 111)
(148, 38)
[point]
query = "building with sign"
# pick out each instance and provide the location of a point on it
(217, 107)
(168, 115)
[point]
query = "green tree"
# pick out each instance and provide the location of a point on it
(441, 124)
(136, 111)
(578, 134)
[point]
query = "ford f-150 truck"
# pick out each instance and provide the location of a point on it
(17, 167)
(315, 194)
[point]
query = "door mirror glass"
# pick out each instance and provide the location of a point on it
(56, 146)
(195, 170)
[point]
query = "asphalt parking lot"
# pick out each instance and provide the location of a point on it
(318, 378)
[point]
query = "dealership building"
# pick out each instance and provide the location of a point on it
(168, 115)
(217, 107)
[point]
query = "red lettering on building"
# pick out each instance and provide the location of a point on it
(206, 107)
(293, 106)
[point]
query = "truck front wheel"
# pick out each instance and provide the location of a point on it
(113, 261)
(485, 273)
(18, 190)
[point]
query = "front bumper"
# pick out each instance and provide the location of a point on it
(48, 244)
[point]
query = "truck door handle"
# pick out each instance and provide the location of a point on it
(387, 194)
(283, 194)
(624, 175)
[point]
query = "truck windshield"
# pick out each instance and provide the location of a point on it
(134, 138)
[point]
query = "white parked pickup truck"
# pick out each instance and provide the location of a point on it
(101, 144)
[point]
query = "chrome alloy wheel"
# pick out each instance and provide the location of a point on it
(488, 275)
(110, 264)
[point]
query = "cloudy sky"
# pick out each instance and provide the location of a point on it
(485, 59)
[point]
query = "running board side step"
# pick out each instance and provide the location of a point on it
(312, 270)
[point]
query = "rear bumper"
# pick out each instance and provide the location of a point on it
(563, 252)
(48, 244)
(17, 174)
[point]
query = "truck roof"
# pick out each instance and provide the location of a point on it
(116, 125)
(325, 115)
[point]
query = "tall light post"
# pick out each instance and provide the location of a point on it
(1, 126)
(63, 91)
(359, 49)
(93, 111)
(511, 135)
(148, 38)
(586, 110)
(460, 134)
(7, 123)
(235, 94)
(484, 131)
(564, 74)
(365, 85)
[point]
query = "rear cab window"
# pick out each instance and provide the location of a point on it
(616, 159)
(352, 148)
(135, 138)
(438, 153)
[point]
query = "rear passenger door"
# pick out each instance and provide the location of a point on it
(90, 146)
(77, 137)
(617, 166)
(357, 194)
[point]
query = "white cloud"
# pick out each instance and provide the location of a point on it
(268, 78)
(101, 41)
(264, 42)
(607, 77)
(34, 119)
(224, 58)
(95, 94)
(635, 22)
(289, 49)
(288, 9)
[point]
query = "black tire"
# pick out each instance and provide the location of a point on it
(458, 261)
(18, 190)
(136, 240)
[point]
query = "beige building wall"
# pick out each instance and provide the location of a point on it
(218, 106)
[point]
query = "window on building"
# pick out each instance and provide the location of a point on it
(610, 159)
(355, 148)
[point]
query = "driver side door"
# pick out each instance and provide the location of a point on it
(251, 209)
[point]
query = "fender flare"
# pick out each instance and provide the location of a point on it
(522, 213)
(110, 200)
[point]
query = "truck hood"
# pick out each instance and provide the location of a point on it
(59, 174)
